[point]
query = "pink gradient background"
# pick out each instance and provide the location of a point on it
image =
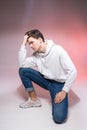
(64, 21)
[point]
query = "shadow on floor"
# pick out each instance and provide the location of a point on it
(44, 94)
(73, 98)
(41, 93)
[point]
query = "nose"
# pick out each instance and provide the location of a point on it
(31, 46)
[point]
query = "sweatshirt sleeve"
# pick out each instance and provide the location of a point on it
(69, 69)
(25, 61)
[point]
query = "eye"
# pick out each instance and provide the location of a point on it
(30, 43)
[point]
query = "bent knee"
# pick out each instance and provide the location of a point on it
(59, 118)
(21, 71)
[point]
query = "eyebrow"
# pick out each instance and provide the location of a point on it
(31, 42)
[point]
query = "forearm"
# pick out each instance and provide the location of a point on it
(22, 52)
(22, 55)
(70, 80)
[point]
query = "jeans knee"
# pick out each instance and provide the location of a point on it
(24, 71)
(59, 119)
(20, 71)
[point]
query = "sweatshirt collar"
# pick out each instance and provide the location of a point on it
(50, 44)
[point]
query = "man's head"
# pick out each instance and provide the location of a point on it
(35, 39)
(35, 34)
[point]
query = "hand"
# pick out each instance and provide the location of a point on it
(60, 96)
(25, 39)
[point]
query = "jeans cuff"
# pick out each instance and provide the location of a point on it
(29, 89)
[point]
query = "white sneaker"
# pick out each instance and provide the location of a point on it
(30, 103)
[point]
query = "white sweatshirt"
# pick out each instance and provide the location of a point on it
(54, 64)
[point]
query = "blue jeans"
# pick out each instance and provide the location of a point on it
(59, 110)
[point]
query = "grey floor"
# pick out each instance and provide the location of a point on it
(14, 118)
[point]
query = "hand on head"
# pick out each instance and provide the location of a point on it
(25, 39)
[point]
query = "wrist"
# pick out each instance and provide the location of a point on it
(64, 91)
(24, 43)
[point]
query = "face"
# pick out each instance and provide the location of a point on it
(34, 43)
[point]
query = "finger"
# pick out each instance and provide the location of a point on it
(25, 36)
(57, 100)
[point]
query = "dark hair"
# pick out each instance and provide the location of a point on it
(35, 33)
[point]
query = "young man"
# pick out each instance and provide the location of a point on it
(56, 73)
